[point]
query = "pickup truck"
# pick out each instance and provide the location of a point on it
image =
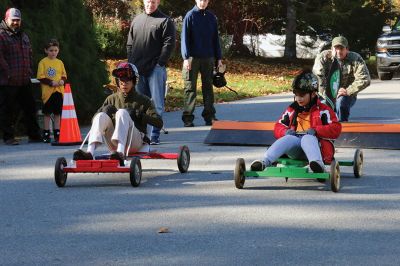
(388, 51)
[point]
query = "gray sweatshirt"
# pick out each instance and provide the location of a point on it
(151, 41)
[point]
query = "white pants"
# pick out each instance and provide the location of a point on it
(102, 126)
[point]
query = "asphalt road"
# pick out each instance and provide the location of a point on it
(102, 220)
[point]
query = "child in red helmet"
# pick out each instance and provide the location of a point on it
(122, 119)
(305, 130)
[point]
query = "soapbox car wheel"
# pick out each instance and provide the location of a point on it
(59, 175)
(334, 178)
(135, 174)
(238, 174)
(183, 159)
(358, 163)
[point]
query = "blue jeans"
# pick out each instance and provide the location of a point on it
(343, 105)
(296, 147)
(153, 86)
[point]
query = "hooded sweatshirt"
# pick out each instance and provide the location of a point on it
(134, 101)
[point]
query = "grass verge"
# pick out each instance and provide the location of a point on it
(249, 77)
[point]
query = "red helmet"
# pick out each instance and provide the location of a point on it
(126, 71)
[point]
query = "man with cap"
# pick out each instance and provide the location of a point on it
(15, 75)
(122, 119)
(354, 75)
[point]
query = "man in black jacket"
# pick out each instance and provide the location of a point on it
(151, 41)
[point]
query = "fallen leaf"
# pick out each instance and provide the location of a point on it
(163, 230)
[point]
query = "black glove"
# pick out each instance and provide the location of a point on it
(285, 120)
(136, 112)
(146, 140)
(110, 110)
(311, 131)
(324, 119)
(290, 132)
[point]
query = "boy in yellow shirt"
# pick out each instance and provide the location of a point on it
(52, 76)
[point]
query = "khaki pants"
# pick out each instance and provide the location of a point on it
(125, 130)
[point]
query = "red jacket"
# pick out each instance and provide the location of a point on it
(323, 120)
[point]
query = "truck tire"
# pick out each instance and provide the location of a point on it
(385, 75)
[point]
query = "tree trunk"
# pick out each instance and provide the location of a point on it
(238, 48)
(237, 29)
(290, 43)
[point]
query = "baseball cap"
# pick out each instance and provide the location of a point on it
(340, 40)
(13, 13)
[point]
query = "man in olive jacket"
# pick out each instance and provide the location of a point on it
(354, 75)
(122, 119)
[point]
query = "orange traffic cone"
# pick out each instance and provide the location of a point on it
(70, 133)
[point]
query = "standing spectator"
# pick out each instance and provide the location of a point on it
(52, 75)
(151, 41)
(200, 49)
(354, 75)
(15, 74)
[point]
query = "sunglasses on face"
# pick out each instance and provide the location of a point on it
(126, 73)
(125, 79)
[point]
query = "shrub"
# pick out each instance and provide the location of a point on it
(72, 25)
(111, 35)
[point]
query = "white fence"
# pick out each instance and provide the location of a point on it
(270, 45)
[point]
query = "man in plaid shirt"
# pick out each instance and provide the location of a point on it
(15, 74)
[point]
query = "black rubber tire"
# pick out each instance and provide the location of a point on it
(385, 75)
(183, 159)
(358, 163)
(135, 173)
(238, 174)
(59, 175)
(334, 177)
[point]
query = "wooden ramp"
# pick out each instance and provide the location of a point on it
(360, 135)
